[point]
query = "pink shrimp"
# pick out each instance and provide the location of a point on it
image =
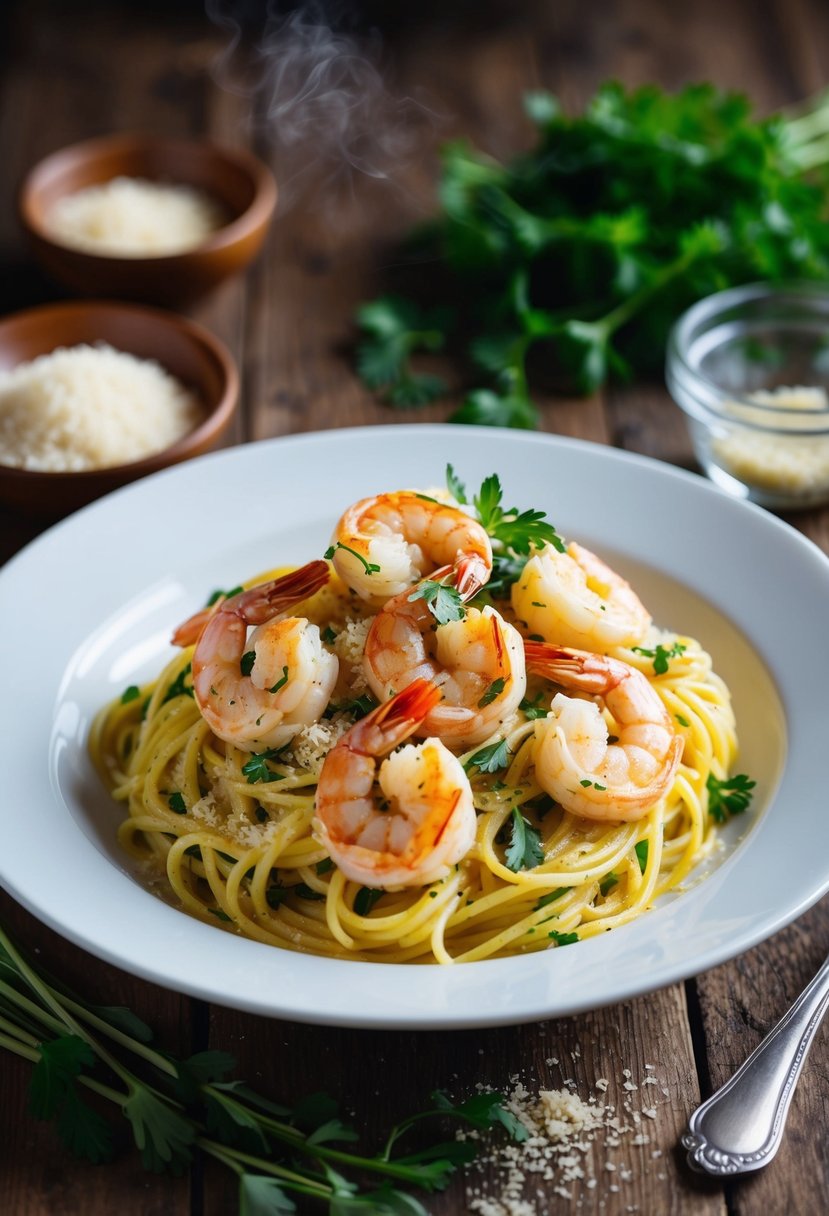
(425, 822)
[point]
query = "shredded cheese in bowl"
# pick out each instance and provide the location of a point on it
(131, 217)
(90, 407)
(777, 450)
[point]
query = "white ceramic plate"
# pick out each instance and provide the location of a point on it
(88, 608)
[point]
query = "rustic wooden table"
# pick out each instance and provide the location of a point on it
(158, 68)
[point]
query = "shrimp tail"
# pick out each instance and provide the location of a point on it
(395, 720)
(259, 604)
(575, 668)
(471, 573)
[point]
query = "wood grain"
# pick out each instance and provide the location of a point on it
(289, 324)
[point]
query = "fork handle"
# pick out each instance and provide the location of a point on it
(740, 1127)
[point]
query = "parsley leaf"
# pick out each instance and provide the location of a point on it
(443, 602)
(729, 796)
(395, 329)
(365, 899)
(130, 694)
(641, 850)
(495, 689)
(455, 486)
(609, 881)
(661, 655)
(263, 1196)
(525, 851)
(162, 1135)
(257, 768)
(534, 709)
(563, 939)
(550, 898)
(61, 1060)
(519, 531)
(179, 688)
(490, 758)
(247, 661)
(280, 683)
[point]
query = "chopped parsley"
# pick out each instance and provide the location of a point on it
(444, 603)
(130, 694)
(328, 635)
(550, 898)
(490, 758)
(534, 709)
(257, 768)
(280, 683)
(455, 486)
(495, 689)
(324, 866)
(661, 655)
(609, 881)
(370, 567)
(220, 914)
(520, 531)
(563, 939)
(247, 661)
(729, 796)
(176, 803)
(682, 721)
(305, 892)
(524, 851)
(641, 851)
(215, 596)
(365, 899)
(588, 784)
(179, 688)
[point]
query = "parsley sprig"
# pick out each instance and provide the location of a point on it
(525, 851)
(285, 1158)
(728, 795)
(444, 602)
(661, 655)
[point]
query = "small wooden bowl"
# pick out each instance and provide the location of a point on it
(236, 179)
(186, 350)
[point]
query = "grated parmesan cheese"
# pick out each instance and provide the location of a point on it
(778, 460)
(569, 1148)
(90, 407)
(348, 646)
(312, 744)
(131, 217)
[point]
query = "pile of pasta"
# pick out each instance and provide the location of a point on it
(228, 835)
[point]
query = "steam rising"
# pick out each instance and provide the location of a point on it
(318, 95)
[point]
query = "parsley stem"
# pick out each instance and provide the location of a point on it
(22, 1002)
(125, 1040)
(19, 1049)
(233, 1156)
(628, 308)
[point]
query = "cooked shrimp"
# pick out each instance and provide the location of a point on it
(384, 544)
(574, 599)
(575, 762)
(424, 820)
(258, 692)
(477, 662)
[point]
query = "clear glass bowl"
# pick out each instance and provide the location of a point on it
(750, 369)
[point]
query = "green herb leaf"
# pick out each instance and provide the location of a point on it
(328, 635)
(534, 709)
(444, 603)
(729, 795)
(247, 661)
(609, 881)
(257, 768)
(550, 897)
(525, 851)
(641, 850)
(455, 486)
(365, 899)
(162, 1135)
(130, 694)
(61, 1060)
(369, 567)
(494, 691)
(661, 655)
(179, 687)
(176, 803)
(563, 939)
(263, 1196)
(490, 758)
(84, 1132)
(280, 683)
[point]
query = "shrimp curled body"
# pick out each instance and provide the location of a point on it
(384, 544)
(575, 762)
(575, 599)
(258, 692)
(477, 661)
(426, 821)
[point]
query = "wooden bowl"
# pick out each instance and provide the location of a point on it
(185, 350)
(236, 179)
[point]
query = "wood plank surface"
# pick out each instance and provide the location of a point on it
(289, 324)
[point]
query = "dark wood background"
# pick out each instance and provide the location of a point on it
(74, 71)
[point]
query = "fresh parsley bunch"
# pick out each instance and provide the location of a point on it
(583, 251)
(286, 1159)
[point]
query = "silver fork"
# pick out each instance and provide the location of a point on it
(740, 1127)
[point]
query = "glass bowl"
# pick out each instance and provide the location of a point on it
(750, 369)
